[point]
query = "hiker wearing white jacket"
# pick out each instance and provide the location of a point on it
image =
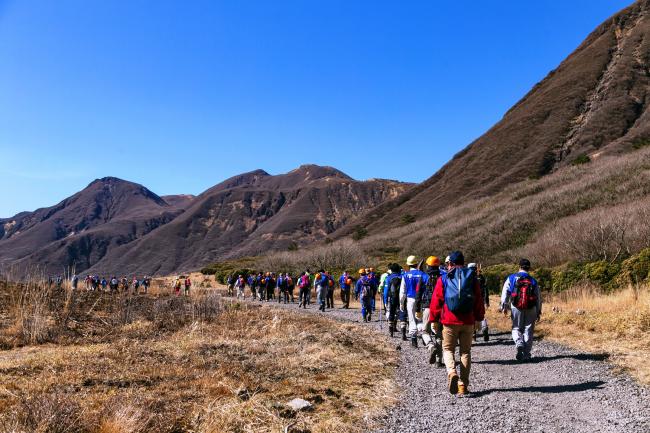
(521, 293)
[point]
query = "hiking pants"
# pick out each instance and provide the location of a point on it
(366, 307)
(302, 295)
(321, 294)
(461, 335)
(425, 327)
(290, 291)
(413, 322)
(240, 292)
(270, 293)
(523, 326)
(345, 297)
(330, 297)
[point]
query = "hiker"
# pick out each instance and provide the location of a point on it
(412, 280)
(291, 285)
(125, 284)
(431, 333)
(177, 286)
(392, 284)
(486, 299)
(240, 285)
(381, 288)
(375, 279)
(136, 285)
(187, 284)
(145, 283)
(74, 281)
(230, 283)
(87, 281)
(103, 283)
(113, 284)
(329, 297)
(321, 284)
(269, 286)
(521, 293)
(365, 290)
(345, 283)
(457, 305)
(304, 287)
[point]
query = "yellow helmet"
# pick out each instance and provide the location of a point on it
(433, 261)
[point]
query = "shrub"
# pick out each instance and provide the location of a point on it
(407, 219)
(581, 159)
(359, 233)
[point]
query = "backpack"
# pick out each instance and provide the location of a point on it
(393, 288)
(303, 282)
(330, 281)
(524, 297)
(366, 289)
(459, 290)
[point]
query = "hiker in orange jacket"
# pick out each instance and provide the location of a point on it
(457, 303)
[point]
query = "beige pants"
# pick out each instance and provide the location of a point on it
(461, 335)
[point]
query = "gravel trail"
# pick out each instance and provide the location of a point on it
(560, 390)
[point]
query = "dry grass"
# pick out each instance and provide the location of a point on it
(233, 374)
(617, 324)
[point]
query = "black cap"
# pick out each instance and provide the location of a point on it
(457, 258)
(395, 268)
(524, 264)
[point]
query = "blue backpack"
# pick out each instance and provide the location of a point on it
(459, 286)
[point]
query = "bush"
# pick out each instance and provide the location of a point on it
(359, 233)
(407, 219)
(581, 159)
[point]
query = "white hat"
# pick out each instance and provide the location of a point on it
(447, 259)
(472, 265)
(411, 261)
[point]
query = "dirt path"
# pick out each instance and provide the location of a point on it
(560, 390)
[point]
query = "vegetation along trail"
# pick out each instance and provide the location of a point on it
(560, 389)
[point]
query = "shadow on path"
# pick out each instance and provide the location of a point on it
(556, 389)
(538, 359)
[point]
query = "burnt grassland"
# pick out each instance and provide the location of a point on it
(95, 362)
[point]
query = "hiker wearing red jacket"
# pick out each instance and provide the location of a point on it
(457, 303)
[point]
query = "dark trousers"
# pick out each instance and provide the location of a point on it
(329, 298)
(345, 298)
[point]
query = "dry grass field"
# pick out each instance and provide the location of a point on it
(615, 324)
(175, 364)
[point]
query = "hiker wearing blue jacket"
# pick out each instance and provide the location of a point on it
(392, 284)
(521, 293)
(365, 290)
(412, 281)
(321, 284)
(345, 283)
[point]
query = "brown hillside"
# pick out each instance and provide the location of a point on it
(253, 213)
(594, 103)
(83, 228)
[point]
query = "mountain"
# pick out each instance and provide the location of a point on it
(251, 214)
(594, 104)
(83, 228)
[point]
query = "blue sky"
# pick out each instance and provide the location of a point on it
(180, 95)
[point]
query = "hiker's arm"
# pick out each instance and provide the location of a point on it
(402, 291)
(505, 294)
(437, 302)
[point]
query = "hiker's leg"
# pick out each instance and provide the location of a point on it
(426, 327)
(450, 337)
(529, 329)
(466, 333)
(410, 309)
(517, 327)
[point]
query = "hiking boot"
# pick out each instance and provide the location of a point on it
(452, 383)
(369, 317)
(520, 354)
(414, 342)
(486, 334)
(462, 389)
(403, 334)
(527, 357)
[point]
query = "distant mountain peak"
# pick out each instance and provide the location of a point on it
(314, 171)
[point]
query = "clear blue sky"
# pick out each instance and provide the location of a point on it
(179, 95)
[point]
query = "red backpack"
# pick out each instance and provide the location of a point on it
(524, 297)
